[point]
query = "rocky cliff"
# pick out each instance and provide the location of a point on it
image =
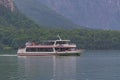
(8, 4)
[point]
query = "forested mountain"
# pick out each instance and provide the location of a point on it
(11, 20)
(16, 29)
(100, 14)
(44, 15)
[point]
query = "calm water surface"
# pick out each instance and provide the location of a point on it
(91, 65)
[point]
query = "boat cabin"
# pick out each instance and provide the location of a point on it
(50, 46)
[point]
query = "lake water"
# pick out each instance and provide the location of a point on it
(91, 65)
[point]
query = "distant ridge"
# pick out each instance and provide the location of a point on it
(100, 14)
(43, 15)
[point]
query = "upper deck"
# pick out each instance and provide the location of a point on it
(51, 43)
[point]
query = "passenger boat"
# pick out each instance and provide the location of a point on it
(47, 48)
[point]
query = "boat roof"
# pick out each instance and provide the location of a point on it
(62, 40)
(56, 40)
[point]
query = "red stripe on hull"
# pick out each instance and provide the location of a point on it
(33, 54)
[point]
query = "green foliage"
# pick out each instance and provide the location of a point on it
(86, 39)
(10, 22)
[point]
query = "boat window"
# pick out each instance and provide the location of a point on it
(62, 49)
(62, 42)
(39, 50)
(45, 49)
(48, 43)
(31, 50)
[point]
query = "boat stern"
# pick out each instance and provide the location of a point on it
(21, 50)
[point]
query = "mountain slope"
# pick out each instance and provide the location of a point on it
(43, 15)
(13, 26)
(103, 14)
(14, 18)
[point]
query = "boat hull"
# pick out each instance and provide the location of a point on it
(75, 53)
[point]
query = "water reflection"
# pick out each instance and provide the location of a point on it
(64, 68)
(47, 68)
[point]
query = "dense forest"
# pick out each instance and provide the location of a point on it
(12, 38)
(16, 29)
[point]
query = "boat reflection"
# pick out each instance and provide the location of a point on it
(48, 68)
(64, 68)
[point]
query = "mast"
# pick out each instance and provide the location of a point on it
(59, 37)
